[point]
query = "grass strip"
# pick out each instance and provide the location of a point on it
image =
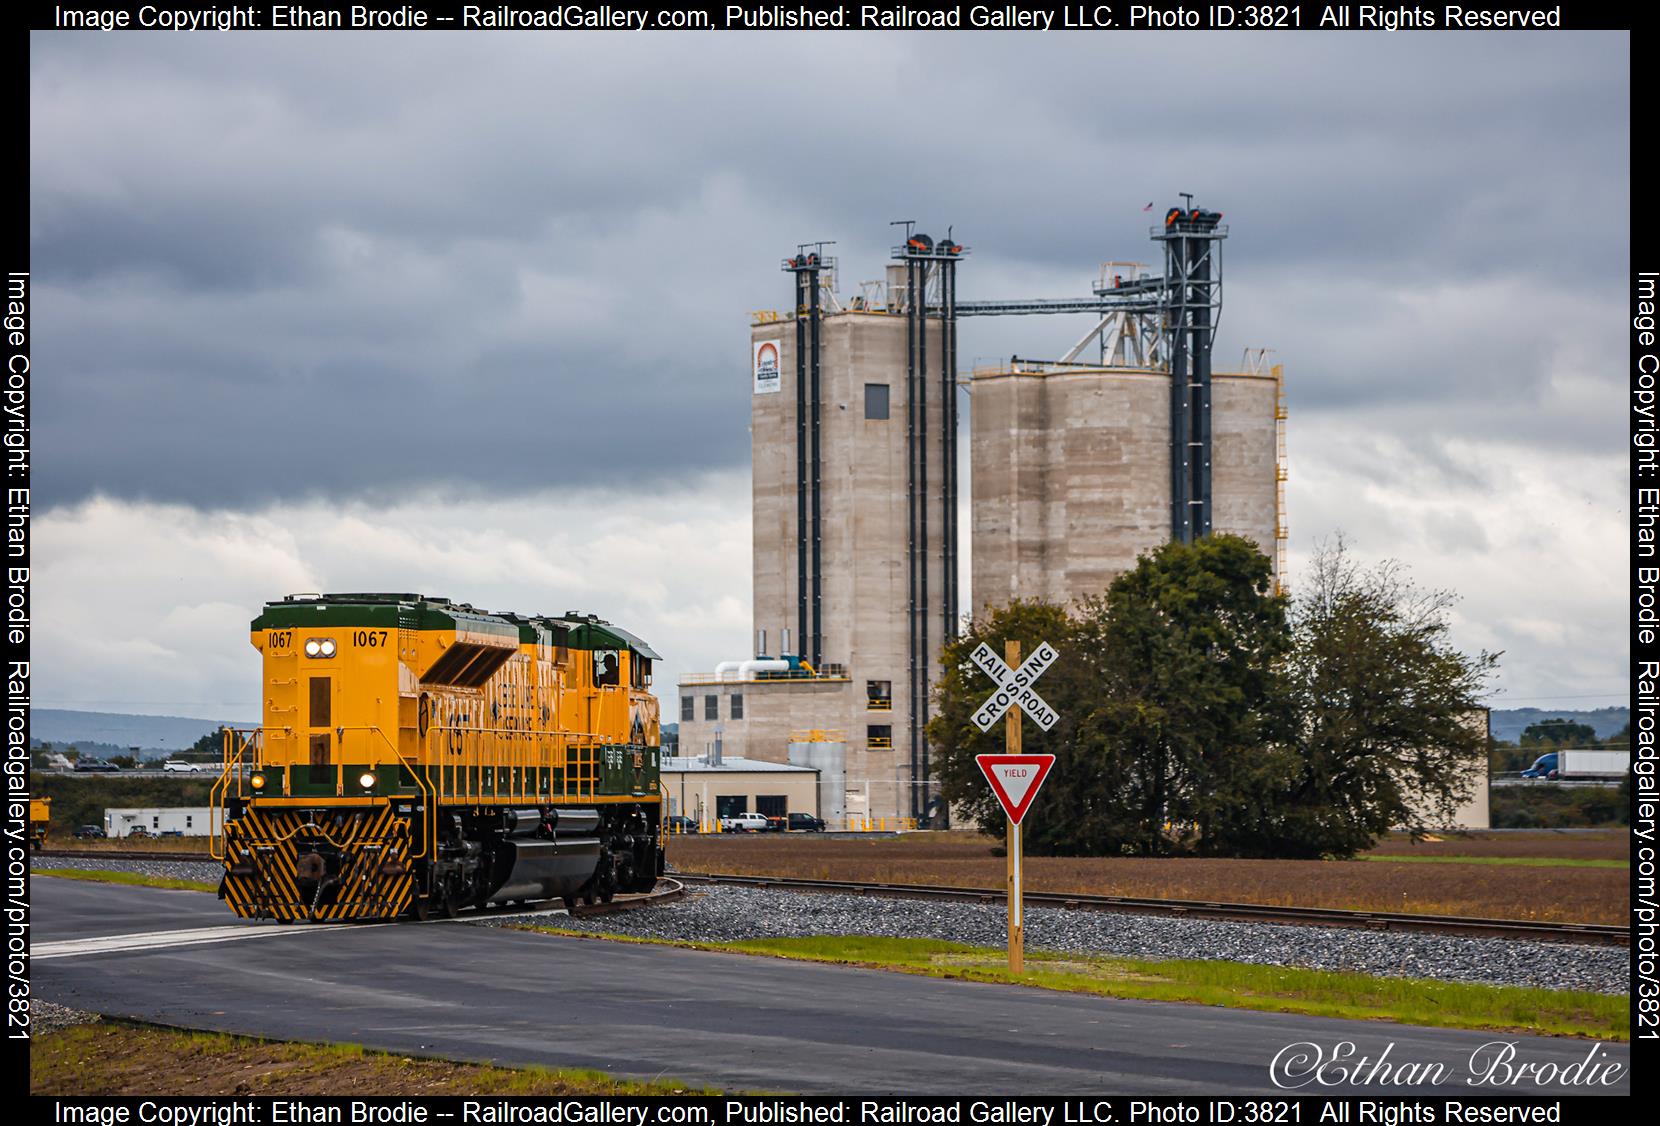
(110, 1058)
(1518, 861)
(136, 879)
(1237, 985)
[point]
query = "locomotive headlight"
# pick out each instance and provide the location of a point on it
(328, 646)
(366, 779)
(313, 647)
(257, 781)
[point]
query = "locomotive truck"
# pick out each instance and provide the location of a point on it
(417, 755)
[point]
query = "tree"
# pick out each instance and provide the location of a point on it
(1165, 690)
(209, 747)
(1197, 716)
(1188, 645)
(1548, 733)
(1387, 729)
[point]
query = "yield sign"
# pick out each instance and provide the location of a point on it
(1015, 780)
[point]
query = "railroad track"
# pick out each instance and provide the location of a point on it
(668, 890)
(1587, 933)
(130, 854)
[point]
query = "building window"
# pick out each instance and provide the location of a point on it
(737, 705)
(711, 707)
(688, 709)
(876, 400)
(879, 737)
(879, 695)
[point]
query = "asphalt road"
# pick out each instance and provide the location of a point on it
(725, 1020)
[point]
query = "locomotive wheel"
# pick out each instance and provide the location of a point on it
(423, 908)
(570, 903)
(452, 908)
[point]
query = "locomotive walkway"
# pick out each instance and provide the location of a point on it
(737, 1022)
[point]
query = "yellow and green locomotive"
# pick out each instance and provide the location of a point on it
(418, 755)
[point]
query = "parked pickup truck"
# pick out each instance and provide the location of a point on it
(743, 823)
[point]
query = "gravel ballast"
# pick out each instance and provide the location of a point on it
(201, 871)
(728, 914)
(44, 1017)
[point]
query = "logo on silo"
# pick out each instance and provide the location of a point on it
(766, 367)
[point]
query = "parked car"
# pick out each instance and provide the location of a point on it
(138, 831)
(805, 823)
(171, 833)
(174, 766)
(90, 833)
(743, 823)
(88, 765)
(679, 824)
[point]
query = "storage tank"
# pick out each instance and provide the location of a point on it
(829, 758)
(1071, 473)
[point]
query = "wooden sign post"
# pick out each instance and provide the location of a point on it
(1015, 777)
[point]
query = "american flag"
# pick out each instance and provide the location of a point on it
(1149, 206)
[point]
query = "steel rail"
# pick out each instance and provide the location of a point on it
(1589, 933)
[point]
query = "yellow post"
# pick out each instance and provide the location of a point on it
(1011, 739)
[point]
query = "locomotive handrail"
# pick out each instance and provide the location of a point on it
(430, 802)
(462, 755)
(220, 788)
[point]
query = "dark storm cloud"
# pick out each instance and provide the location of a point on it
(278, 266)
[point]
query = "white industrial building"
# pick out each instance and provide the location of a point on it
(190, 821)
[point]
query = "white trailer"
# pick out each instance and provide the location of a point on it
(1593, 764)
(196, 821)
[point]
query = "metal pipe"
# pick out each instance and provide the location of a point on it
(818, 575)
(925, 656)
(800, 465)
(1180, 451)
(1201, 387)
(911, 303)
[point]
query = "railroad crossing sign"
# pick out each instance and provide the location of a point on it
(1015, 777)
(1014, 686)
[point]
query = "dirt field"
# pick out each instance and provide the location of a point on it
(116, 1059)
(1591, 844)
(1567, 894)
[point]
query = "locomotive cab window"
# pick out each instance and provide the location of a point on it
(607, 674)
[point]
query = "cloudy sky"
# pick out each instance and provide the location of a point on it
(468, 314)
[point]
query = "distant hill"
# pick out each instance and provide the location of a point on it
(1509, 723)
(165, 733)
(171, 733)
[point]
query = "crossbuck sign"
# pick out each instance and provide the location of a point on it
(1014, 686)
